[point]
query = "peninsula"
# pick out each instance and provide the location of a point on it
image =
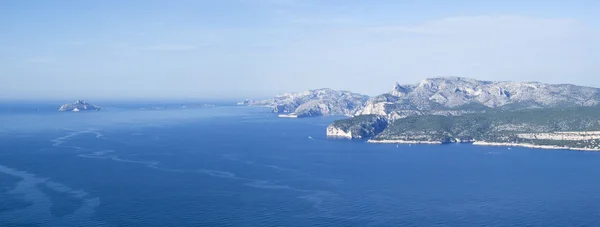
(462, 110)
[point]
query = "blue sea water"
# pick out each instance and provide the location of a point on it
(242, 166)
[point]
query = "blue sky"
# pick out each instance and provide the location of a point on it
(254, 48)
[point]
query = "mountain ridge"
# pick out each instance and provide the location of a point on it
(312, 103)
(454, 92)
(448, 96)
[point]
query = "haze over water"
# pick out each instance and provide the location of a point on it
(243, 166)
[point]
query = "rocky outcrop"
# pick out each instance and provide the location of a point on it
(335, 131)
(77, 106)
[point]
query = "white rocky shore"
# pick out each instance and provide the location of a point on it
(288, 115)
(570, 136)
(553, 147)
(404, 141)
(484, 143)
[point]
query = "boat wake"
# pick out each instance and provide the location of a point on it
(312, 196)
(31, 187)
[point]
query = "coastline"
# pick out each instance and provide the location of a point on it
(528, 145)
(484, 143)
(404, 141)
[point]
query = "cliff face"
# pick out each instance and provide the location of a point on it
(334, 131)
(358, 127)
(320, 102)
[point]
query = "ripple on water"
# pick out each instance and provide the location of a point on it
(48, 202)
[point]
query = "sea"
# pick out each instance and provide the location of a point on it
(189, 164)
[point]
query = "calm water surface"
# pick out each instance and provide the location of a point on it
(241, 166)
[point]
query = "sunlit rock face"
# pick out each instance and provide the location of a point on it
(77, 106)
(319, 102)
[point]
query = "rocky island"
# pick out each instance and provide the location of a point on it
(462, 110)
(77, 106)
(319, 102)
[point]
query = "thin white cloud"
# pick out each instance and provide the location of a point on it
(169, 47)
(272, 2)
(322, 21)
(43, 60)
(283, 2)
(487, 24)
(303, 49)
(77, 43)
(294, 17)
(72, 43)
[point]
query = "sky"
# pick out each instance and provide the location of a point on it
(115, 49)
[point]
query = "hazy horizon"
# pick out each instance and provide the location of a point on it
(233, 49)
(221, 98)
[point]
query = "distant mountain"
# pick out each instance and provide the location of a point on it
(319, 102)
(453, 96)
(77, 106)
